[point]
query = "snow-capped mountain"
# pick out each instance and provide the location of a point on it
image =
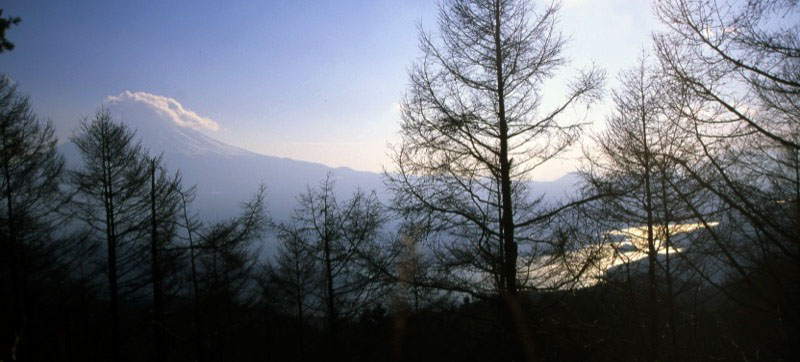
(227, 175)
(164, 125)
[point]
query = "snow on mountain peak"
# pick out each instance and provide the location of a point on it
(168, 108)
(164, 125)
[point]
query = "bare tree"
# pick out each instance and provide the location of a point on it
(227, 276)
(291, 280)
(31, 171)
(633, 164)
(473, 133)
(192, 226)
(628, 171)
(165, 198)
(734, 70)
(343, 240)
(111, 189)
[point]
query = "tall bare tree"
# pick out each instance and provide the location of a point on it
(633, 165)
(737, 93)
(165, 201)
(192, 226)
(291, 280)
(473, 132)
(342, 238)
(628, 171)
(31, 171)
(111, 199)
(228, 259)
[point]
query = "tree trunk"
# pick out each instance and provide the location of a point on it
(300, 316)
(18, 350)
(651, 251)
(329, 300)
(668, 275)
(517, 322)
(507, 219)
(158, 303)
(111, 241)
(198, 330)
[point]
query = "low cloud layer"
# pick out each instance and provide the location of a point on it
(168, 107)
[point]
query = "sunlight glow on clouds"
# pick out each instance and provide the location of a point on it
(168, 107)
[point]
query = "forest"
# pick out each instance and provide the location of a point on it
(681, 240)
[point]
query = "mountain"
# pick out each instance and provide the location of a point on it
(227, 175)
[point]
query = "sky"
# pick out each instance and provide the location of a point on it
(310, 80)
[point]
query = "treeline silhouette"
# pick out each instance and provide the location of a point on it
(681, 241)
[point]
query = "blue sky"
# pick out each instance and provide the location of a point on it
(311, 80)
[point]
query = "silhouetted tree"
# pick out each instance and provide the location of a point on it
(111, 190)
(291, 279)
(633, 163)
(343, 241)
(31, 171)
(192, 226)
(473, 133)
(734, 67)
(227, 275)
(166, 199)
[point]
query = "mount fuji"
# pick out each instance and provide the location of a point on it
(227, 175)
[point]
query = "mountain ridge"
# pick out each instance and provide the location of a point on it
(226, 175)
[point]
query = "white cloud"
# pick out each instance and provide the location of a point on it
(168, 107)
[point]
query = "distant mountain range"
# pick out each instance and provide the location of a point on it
(227, 175)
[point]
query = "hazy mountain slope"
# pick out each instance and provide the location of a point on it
(226, 175)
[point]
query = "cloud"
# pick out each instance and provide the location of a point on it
(168, 107)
